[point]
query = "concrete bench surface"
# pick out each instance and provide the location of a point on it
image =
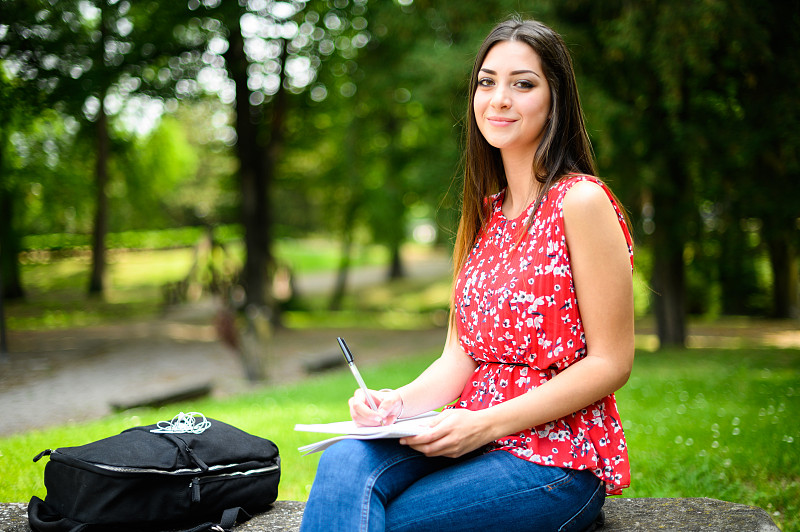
(622, 515)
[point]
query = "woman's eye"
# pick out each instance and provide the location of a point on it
(485, 82)
(524, 84)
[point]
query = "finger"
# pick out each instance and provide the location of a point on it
(426, 438)
(439, 418)
(361, 398)
(363, 414)
(389, 409)
(435, 448)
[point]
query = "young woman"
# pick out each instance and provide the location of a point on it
(540, 337)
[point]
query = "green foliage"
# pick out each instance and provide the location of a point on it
(697, 425)
(150, 171)
(690, 109)
(686, 104)
(210, 196)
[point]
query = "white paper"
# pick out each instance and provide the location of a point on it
(349, 430)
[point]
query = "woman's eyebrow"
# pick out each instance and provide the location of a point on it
(513, 72)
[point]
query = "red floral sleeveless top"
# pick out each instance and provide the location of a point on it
(518, 317)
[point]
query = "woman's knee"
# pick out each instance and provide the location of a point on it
(590, 510)
(340, 452)
(343, 459)
(356, 460)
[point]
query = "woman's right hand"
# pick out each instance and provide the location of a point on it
(390, 406)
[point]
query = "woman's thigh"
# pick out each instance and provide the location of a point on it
(498, 490)
(356, 479)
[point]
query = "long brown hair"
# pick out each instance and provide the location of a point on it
(565, 146)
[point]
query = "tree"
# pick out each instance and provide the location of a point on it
(89, 58)
(678, 76)
(269, 54)
(16, 105)
(406, 89)
(771, 112)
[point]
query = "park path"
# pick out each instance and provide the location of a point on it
(54, 377)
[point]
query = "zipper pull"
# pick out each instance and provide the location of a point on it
(195, 487)
(196, 459)
(46, 452)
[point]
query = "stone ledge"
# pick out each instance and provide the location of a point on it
(695, 514)
(622, 515)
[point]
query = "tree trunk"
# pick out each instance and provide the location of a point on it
(3, 342)
(256, 153)
(257, 149)
(8, 261)
(783, 262)
(340, 285)
(100, 229)
(670, 305)
(396, 270)
(96, 282)
(737, 267)
(9, 248)
(669, 283)
(393, 189)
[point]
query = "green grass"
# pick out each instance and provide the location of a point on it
(56, 291)
(56, 288)
(717, 423)
(399, 304)
(318, 254)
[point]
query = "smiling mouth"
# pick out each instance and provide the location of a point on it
(500, 121)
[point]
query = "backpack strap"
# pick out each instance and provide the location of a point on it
(229, 518)
(43, 519)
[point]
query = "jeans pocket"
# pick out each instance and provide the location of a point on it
(586, 515)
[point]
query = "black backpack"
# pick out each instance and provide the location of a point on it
(166, 476)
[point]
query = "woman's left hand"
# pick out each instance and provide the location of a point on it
(453, 433)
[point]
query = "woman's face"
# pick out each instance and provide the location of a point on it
(512, 99)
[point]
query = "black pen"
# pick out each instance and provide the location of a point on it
(350, 362)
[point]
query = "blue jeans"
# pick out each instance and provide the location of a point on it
(382, 485)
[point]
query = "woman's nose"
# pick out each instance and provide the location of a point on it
(501, 98)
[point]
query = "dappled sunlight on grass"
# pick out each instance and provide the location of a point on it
(391, 320)
(56, 291)
(132, 270)
(399, 304)
(716, 423)
(56, 287)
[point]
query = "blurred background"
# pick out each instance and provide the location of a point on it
(154, 154)
(252, 130)
(198, 196)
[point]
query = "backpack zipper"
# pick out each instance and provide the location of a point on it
(194, 485)
(176, 472)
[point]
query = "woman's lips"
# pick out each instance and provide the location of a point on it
(500, 121)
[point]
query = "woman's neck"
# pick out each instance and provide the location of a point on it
(522, 186)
